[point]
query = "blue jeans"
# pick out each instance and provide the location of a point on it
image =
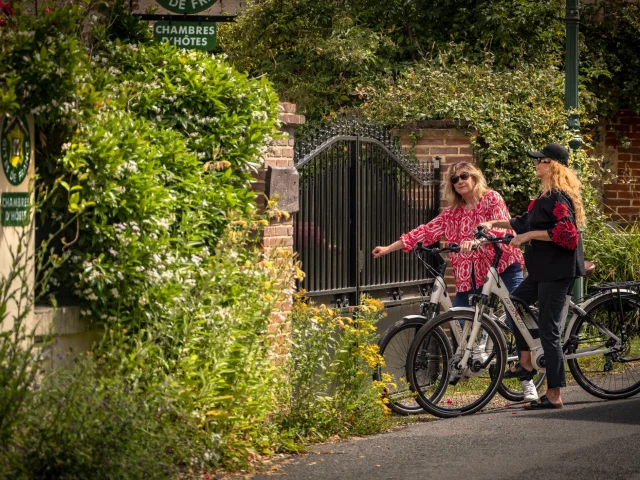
(512, 277)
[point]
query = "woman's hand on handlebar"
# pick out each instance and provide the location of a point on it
(519, 240)
(486, 225)
(467, 245)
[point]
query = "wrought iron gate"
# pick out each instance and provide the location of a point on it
(357, 191)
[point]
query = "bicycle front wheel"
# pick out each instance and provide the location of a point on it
(615, 374)
(453, 389)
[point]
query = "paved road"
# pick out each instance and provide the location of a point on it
(588, 439)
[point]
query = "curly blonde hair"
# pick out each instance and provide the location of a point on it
(564, 179)
(453, 197)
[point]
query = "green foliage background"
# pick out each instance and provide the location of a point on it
(318, 53)
(508, 112)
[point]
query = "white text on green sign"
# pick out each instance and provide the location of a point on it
(186, 6)
(15, 209)
(201, 36)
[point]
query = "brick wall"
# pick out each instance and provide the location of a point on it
(621, 197)
(279, 233)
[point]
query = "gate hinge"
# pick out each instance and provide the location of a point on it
(360, 260)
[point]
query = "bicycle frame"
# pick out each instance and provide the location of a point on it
(494, 285)
(439, 295)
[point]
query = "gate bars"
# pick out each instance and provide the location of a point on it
(358, 190)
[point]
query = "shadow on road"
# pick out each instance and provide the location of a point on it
(611, 411)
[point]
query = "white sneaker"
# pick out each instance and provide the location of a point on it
(529, 389)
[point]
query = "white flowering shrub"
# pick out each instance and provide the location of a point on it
(165, 156)
(153, 221)
(223, 116)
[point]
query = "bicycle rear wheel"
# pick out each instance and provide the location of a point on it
(616, 374)
(451, 391)
(394, 348)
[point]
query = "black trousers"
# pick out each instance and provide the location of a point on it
(551, 297)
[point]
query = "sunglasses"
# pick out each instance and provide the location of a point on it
(536, 161)
(463, 176)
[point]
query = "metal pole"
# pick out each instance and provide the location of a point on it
(572, 20)
(571, 71)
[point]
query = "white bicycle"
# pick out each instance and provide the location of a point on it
(601, 345)
(396, 341)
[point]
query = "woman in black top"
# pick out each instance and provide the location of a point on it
(553, 257)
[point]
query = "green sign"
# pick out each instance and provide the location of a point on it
(186, 6)
(15, 149)
(15, 209)
(199, 36)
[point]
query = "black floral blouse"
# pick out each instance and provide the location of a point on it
(563, 256)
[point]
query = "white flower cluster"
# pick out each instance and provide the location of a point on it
(130, 166)
(260, 115)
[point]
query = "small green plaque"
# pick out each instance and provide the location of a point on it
(198, 36)
(15, 209)
(186, 6)
(15, 149)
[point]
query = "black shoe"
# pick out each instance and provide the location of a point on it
(520, 373)
(543, 403)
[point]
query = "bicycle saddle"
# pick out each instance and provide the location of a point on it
(589, 268)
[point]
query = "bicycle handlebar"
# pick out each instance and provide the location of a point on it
(451, 247)
(482, 234)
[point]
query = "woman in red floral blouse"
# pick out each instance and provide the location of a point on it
(471, 204)
(553, 257)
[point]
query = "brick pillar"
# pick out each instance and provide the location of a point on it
(279, 234)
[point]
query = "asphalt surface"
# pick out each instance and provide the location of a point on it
(587, 439)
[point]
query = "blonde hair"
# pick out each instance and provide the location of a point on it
(453, 197)
(564, 179)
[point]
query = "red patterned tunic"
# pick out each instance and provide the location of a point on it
(457, 224)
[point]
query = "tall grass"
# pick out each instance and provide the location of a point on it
(614, 250)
